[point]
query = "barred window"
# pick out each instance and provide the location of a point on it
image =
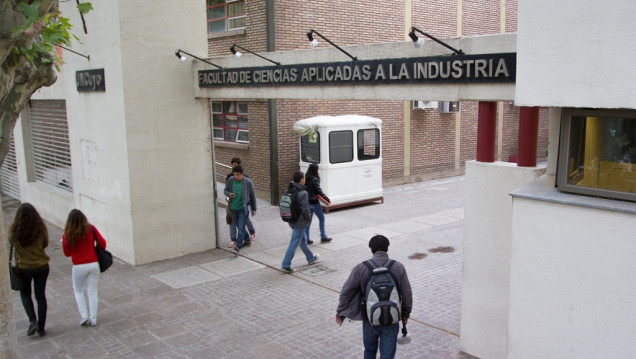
(230, 121)
(9, 173)
(50, 146)
(225, 15)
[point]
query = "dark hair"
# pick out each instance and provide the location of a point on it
(312, 171)
(379, 243)
(27, 225)
(235, 160)
(237, 169)
(76, 227)
(298, 176)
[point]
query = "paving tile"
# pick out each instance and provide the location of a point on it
(406, 226)
(186, 277)
(368, 232)
(230, 266)
(435, 219)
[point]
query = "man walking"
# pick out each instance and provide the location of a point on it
(354, 290)
(240, 190)
(235, 161)
(301, 212)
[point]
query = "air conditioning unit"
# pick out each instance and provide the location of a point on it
(423, 105)
(449, 106)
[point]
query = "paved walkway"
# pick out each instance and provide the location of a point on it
(215, 305)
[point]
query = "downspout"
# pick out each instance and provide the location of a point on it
(271, 110)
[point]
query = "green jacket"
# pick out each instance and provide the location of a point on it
(32, 256)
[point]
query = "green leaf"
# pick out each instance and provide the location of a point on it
(84, 8)
(30, 11)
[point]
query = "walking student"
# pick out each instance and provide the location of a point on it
(78, 242)
(240, 190)
(30, 236)
(355, 288)
(248, 222)
(299, 195)
(312, 183)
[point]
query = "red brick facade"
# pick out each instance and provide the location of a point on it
(433, 140)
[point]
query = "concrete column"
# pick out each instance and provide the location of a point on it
(528, 133)
(486, 127)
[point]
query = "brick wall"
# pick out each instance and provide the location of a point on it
(432, 139)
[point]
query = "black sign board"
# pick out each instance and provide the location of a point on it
(90, 80)
(486, 68)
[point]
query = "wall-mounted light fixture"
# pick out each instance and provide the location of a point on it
(183, 58)
(238, 54)
(88, 57)
(419, 42)
(313, 43)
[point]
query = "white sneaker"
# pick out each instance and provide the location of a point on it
(316, 257)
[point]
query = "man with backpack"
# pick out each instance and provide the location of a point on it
(297, 216)
(378, 292)
(240, 190)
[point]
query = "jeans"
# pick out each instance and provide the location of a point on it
(248, 223)
(317, 209)
(297, 238)
(86, 276)
(39, 276)
(239, 218)
(387, 336)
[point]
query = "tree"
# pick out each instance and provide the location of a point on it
(29, 32)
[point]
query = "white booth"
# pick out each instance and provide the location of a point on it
(348, 152)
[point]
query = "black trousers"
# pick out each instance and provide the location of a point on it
(39, 277)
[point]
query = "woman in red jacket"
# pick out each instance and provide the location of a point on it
(78, 242)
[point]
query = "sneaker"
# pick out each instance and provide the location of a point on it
(232, 244)
(92, 324)
(288, 270)
(252, 236)
(42, 332)
(316, 256)
(309, 241)
(235, 250)
(325, 240)
(247, 244)
(84, 323)
(33, 326)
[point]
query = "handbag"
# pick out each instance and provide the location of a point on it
(104, 257)
(14, 274)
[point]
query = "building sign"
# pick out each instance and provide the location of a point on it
(90, 80)
(487, 68)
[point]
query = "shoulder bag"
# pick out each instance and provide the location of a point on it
(104, 257)
(14, 274)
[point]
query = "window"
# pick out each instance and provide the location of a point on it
(310, 148)
(9, 173)
(230, 122)
(368, 144)
(50, 143)
(225, 15)
(597, 154)
(340, 146)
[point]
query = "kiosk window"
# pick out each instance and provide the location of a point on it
(597, 155)
(368, 144)
(310, 148)
(340, 146)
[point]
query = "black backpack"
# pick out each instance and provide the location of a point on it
(382, 295)
(289, 208)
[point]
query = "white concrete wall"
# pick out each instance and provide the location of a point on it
(141, 150)
(572, 279)
(168, 136)
(486, 268)
(579, 53)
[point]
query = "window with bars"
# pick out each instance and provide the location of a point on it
(9, 173)
(230, 121)
(50, 146)
(225, 15)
